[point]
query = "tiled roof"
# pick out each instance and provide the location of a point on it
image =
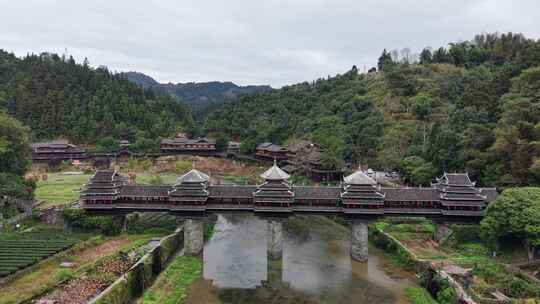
(275, 173)
(103, 176)
(304, 192)
(270, 147)
(193, 176)
(144, 190)
(462, 196)
(461, 179)
(410, 194)
(183, 140)
(359, 178)
(227, 191)
(99, 191)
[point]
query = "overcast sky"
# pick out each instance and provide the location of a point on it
(274, 42)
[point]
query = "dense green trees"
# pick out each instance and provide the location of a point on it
(515, 213)
(14, 158)
(55, 96)
(472, 106)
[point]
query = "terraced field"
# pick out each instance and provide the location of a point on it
(18, 251)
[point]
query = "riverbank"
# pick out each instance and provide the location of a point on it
(315, 267)
(172, 285)
(463, 259)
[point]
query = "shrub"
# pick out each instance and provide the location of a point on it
(156, 180)
(444, 293)
(466, 233)
(419, 296)
(182, 166)
(106, 224)
(63, 275)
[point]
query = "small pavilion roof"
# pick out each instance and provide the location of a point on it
(458, 179)
(275, 173)
(359, 178)
(193, 176)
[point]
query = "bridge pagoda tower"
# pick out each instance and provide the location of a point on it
(275, 194)
(360, 198)
(459, 198)
(190, 193)
(103, 188)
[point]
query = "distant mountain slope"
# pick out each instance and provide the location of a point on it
(471, 107)
(57, 97)
(199, 96)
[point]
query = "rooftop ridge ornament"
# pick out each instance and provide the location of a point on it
(275, 173)
(193, 176)
(359, 178)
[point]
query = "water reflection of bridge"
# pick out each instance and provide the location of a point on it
(454, 198)
(314, 264)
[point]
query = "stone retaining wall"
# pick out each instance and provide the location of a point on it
(25, 205)
(420, 265)
(141, 275)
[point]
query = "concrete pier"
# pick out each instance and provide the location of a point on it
(442, 232)
(193, 236)
(274, 239)
(359, 241)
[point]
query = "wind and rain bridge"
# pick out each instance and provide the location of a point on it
(453, 198)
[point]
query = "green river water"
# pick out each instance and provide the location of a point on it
(315, 266)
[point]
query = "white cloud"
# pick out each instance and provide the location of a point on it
(273, 42)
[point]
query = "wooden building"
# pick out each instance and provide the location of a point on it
(57, 150)
(305, 157)
(182, 145)
(453, 197)
(275, 193)
(458, 194)
(360, 192)
(103, 188)
(269, 151)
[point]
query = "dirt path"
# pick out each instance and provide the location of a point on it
(80, 289)
(104, 249)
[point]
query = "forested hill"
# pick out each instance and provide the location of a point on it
(199, 96)
(472, 106)
(57, 97)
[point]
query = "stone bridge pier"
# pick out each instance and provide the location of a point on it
(359, 240)
(274, 251)
(274, 239)
(193, 236)
(442, 232)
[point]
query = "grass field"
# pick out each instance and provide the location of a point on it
(171, 286)
(148, 178)
(60, 189)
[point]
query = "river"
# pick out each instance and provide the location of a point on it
(315, 266)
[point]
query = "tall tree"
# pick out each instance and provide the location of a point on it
(384, 60)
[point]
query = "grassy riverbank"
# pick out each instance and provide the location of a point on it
(419, 295)
(172, 285)
(465, 250)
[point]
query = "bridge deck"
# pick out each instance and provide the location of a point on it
(347, 212)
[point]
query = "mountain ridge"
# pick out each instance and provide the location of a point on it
(199, 96)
